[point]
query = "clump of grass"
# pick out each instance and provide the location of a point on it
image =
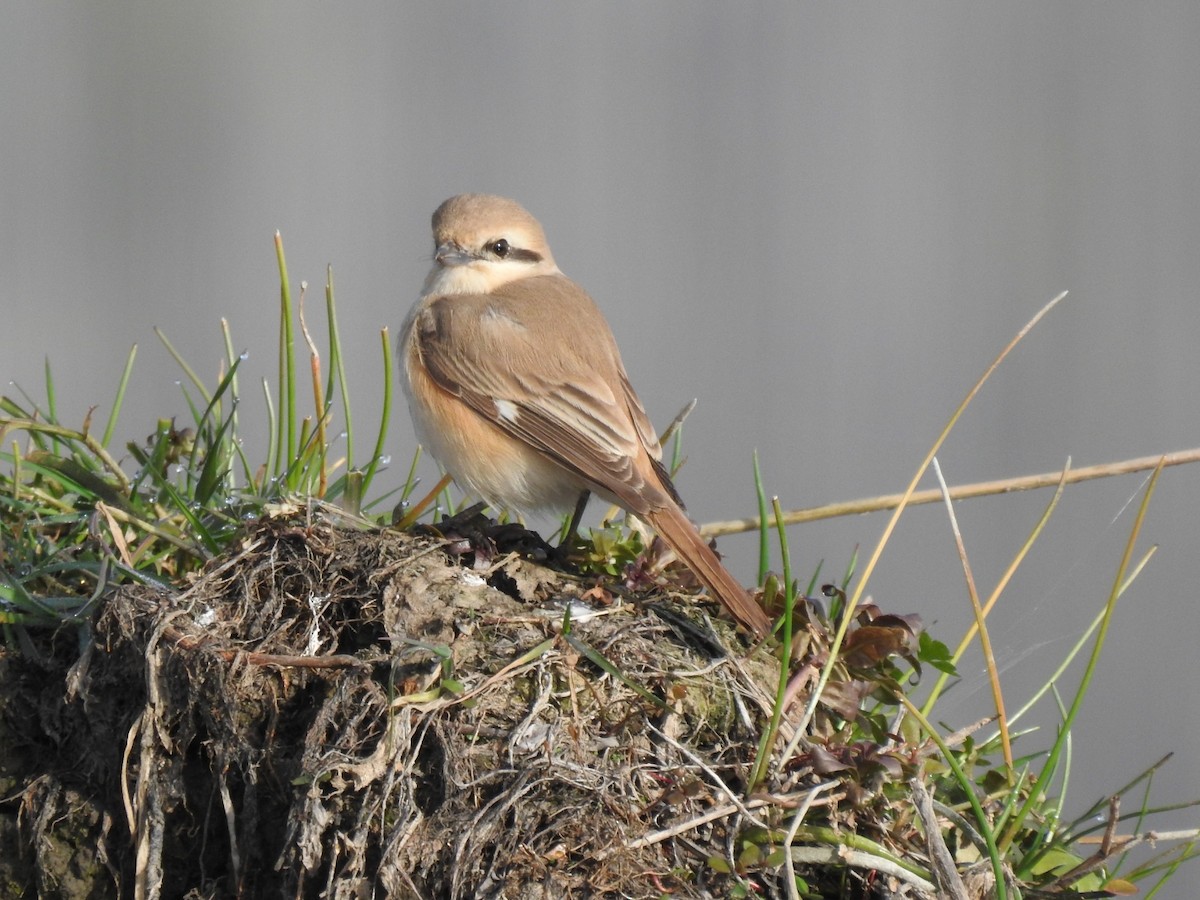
(1006, 815)
(78, 515)
(849, 775)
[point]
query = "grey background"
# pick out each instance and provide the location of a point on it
(821, 220)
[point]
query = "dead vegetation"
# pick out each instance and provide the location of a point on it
(332, 712)
(337, 712)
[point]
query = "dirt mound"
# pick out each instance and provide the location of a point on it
(344, 713)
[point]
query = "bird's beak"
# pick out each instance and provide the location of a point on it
(451, 254)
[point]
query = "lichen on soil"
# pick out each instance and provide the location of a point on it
(339, 711)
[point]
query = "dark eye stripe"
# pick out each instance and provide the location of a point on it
(523, 255)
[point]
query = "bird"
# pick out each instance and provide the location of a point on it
(516, 387)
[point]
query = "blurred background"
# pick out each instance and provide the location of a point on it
(821, 220)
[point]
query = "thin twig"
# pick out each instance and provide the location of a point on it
(946, 875)
(676, 423)
(962, 492)
(859, 859)
(793, 827)
(280, 660)
(708, 770)
(1125, 842)
(654, 837)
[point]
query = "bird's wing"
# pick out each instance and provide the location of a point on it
(571, 402)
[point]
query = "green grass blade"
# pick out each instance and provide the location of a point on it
(598, 659)
(986, 830)
(269, 485)
(232, 360)
(58, 434)
(51, 397)
(1090, 669)
(287, 365)
(76, 479)
(111, 424)
(385, 413)
(337, 364)
(184, 508)
(217, 449)
(764, 531)
(216, 466)
(763, 758)
(182, 363)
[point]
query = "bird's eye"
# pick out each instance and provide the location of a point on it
(500, 248)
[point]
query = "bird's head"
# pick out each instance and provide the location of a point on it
(482, 242)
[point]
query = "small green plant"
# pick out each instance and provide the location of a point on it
(898, 778)
(78, 516)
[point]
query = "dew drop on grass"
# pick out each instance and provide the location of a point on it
(385, 459)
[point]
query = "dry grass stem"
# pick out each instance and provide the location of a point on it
(961, 492)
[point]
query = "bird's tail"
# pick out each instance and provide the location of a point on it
(677, 530)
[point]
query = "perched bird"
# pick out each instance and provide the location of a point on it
(516, 387)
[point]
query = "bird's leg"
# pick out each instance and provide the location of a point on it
(572, 531)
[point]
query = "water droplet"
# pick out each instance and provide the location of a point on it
(385, 459)
(245, 354)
